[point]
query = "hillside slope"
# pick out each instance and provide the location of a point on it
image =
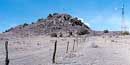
(63, 24)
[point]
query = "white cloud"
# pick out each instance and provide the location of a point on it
(84, 21)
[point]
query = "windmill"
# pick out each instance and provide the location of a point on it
(124, 27)
(123, 22)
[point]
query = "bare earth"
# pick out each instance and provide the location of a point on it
(94, 50)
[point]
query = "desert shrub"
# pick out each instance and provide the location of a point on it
(94, 45)
(82, 31)
(40, 19)
(70, 33)
(76, 18)
(25, 24)
(78, 22)
(61, 35)
(67, 17)
(106, 31)
(8, 30)
(112, 40)
(55, 13)
(75, 21)
(126, 33)
(32, 22)
(53, 35)
(50, 16)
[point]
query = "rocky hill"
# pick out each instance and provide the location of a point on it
(54, 25)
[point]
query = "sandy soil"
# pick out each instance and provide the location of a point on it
(95, 50)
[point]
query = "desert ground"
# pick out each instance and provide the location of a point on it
(88, 50)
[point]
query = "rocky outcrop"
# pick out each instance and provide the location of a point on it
(63, 24)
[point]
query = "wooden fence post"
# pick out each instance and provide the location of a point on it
(54, 53)
(77, 42)
(74, 45)
(67, 47)
(6, 49)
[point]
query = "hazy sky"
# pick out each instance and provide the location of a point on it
(100, 14)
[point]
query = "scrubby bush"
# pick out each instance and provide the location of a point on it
(25, 24)
(50, 16)
(112, 40)
(82, 31)
(94, 45)
(126, 33)
(67, 17)
(32, 22)
(75, 21)
(55, 13)
(53, 35)
(106, 31)
(70, 33)
(8, 30)
(40, 19)
(61, 35)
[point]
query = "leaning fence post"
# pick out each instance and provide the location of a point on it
(54, 53)
(6, 49)
(67, 47)
(77, 42)
(74, 45)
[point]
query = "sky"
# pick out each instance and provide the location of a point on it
(99, 14)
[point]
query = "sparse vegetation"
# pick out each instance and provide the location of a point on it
(82, 31)
(67, 17)
(32, 22)
(50, 16)
(54, 23)
(70, 33)
(53, 35)
(55, 13)
(25, 24)
(8, 30)
(106, 31)
(112, 40)
(58, 48)
(126, 33)
(61, 35)
(75, 21)
(40, 19)
(94, 45)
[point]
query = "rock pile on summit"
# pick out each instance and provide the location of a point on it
(58, 24)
